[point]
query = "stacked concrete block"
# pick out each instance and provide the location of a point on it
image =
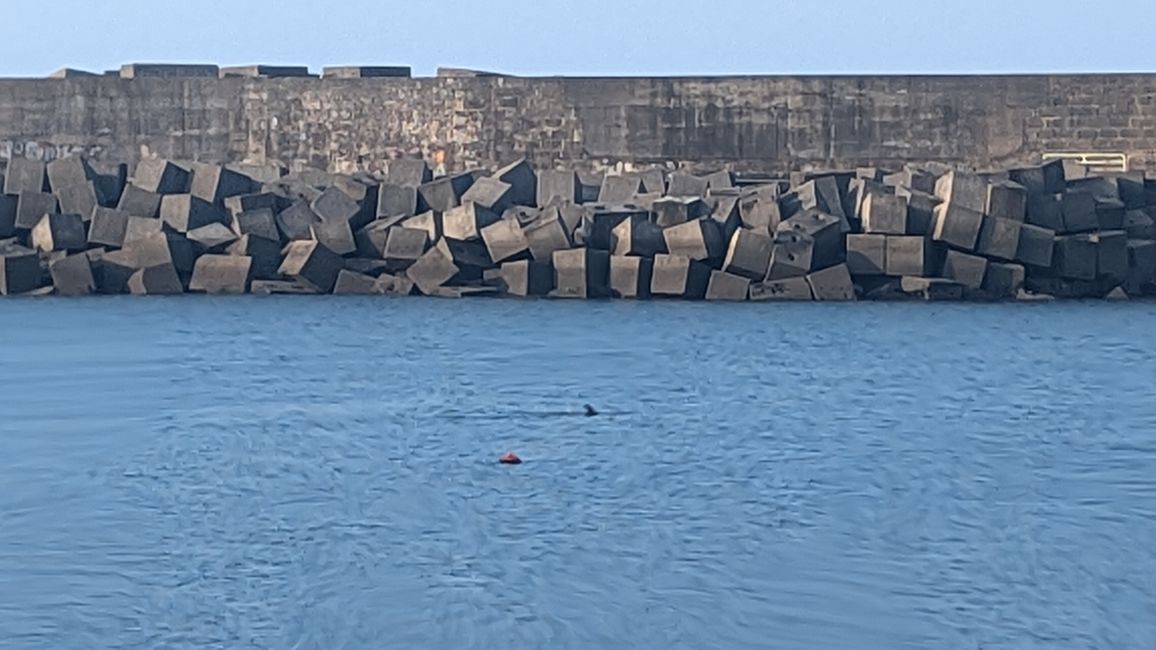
(31, 208)
(787, 289)
(867, 254)
(466, 222)
(832, 284)
(312, 264)
(432, 270)
(222, 274)
(725, 286)
(528, 278)
(699, 240)
(884, 214)
(139, 202)
(749, 254)
(25, 175)
(60, 232)
(185, 212)
(581, 273)
(964, 269)
(679, 276)
(351, 283)
(19, 270)
(505, 241)
(630, 277)
(160, 176)
(638, 236)
(72, 275)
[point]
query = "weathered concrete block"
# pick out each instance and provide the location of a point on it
(8, 204)
(759, 208)
(884, 214)
(599, 222)
(528, 278)
(337, 236)
(557, 186)
(687, 185)
(355, 284)
(185, 212)
(547, 235)
(139, 203)
(366, 266)
(366, 72)
(867, 254)
(790, 289)
(236, 205)
(725, 213)
(107, 227)
(161, 176)
(215, 183)
(490, 193)
(505, 241)
(523, 182)
(720, 180)
(832, 284)
(698, 240)
(72, 275)
(169, 71)
(264, 71)
(805, 197)
(259, 223)
(638, 236)
(396, 200)
(1110, 214)
(25, 175)
(749, 254)
(471, 258)
(430, 222)
(466, 222)
(213, 238)
(160, 248)
(296, 222)
(77, 199)
(964, 269)
(910, 255)
(31, 207)
(112, 270)
(395, 285)
(372, 240)
(678, 276)
(60, 232)
(957, 226)
(19, 270)
(1079, 212)
(432, 270)
(673, 211)
(158, 280)
(404, 247)
(280, 287)
(581, 273)
(999, 238)
(963, 190)
(1036, 246)
(264, 255)
(792, 256)
(653, 181)
(1112, 255)
(1137, 223)
(1003, 281)
(335, 205)
(1076, 257)
(861, 188)
(724, 286)
(222, 274)
(920, 211)
(141, 227)
(1045, 179)
(1141, 267)
(407, 172)
(825, 230)
(630, 277)
(444, 194)
(619, 188)
(311, 263)
(914, 178)
(932, 289)
(1007, 200)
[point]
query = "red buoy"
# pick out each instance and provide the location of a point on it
(510, 459)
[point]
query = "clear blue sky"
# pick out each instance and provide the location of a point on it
(589, 37)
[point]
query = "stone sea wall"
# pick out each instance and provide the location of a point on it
(75, 226)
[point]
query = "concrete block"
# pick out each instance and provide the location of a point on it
(1046, 179)
(280, 287)
(404, 247)
(471, 258)
(687, 185)
(169, 71)
(1036, 246)
(335, 205)
(547, 235)
(884, 214)
(264, 255)
(678, 276)
(466, 222)
(1100, 187)
(25, 175)
(355, 284)
(792, 256)
(72, 275)
(185, 212)
(759, 208)
(832, 284)
(630, 277)
(8, 204)
(720, 180)
(19, 270)
(673, 211)
(1138, 223)
(366, 72)
(1076, 257)
(505, 241)
(236, 205)
(653, 181)
(260, 222)
(407, 172)
(432, 270)
(215, 183)
(161, 248)
(264, 72)
(1141, 267)
(528, 278)
(490, 193)
(725, 213)
(910, 255)
(914, 178)
(557, 186)
(749, 254)
(395, 285)
(139, 228)
(1110, 214)
(638, 236)
(107, 227)
(62, 172)
(789, 289)
(139, 203)
(599, 222)
(523, 182)
(962, 189)
(861, 188)
(964, 269)
(60, 232)
(920, 211)
(1079, 212)
(581, 273)
(396, 200)
(158, 280)
(999, 238)
(932, 289)
(78, 199)
(161, 176)
(1112, 255)
(337, 236)
(430, 222)
(366, 266)
(31, 207)
(724, 286)
(825, 230)
(371, 240)
(574, 216)
(222, 274)
(1045, 211)
(957, 226)
(698, 240)
(444, 194)
(112, 270)
(619, 188)
(1003, 281)
(867, 254)
(1007, 200)
(311, 263)
(213, 238)
(296, 222)
(805, 197)
(261, 173)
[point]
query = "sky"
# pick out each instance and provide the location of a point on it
(590, 37)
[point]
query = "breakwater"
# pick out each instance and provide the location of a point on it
(75, 227)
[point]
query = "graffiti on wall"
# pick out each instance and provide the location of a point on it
(46, 151)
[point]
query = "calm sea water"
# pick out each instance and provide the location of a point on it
(320, 473)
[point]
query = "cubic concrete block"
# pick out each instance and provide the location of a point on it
(444, 194)
(884, 214)
(372, 240)
(311, 263)
(107, 227)
(161, 176)
(653, 181)
(832, 284)
(1007, 200)
(31, 207)
(1110, 214)
(749, 254)
(698, 240)
(724, 286)
(825, 230)
(139, 203)
(395, 285)
(910, 255)
(407, 172)
(404, 247)
(222, 274)
(296, 222)
(1112, 255)
(673, 211)
(1003, 281)
(999, 238)
(161, 248)
(802, 198)
(77, 199)
(619, 188)
(638, 236)
(169, 71)
(72, 275)
(1036, 247)
(957, 226)
(1045, 179)
(236, 205)
(920, 211)
(523, 182)
(932, 289)
(557, 186)
(967, 270)
(547, 235)
(112, 270)
(396, 200)
(490, 193)
(335, 205)
(599, 222)
(678, 276)
(471, 258)
(8, 203)
(260, 222)
(759, 208)
(631, 277)
(1137, 223)
(337, 236)
(962, 189)
(581, 273)
(720, 180)
(432, 270)
(860, 189)
(280, 287)
(25, 175)
(264, 72)
(264, 255)
(527, 278)
(158, 280)
(1141, 267)
(1076, 257)
(185, 212)
(60, 232)
(366, 72)
(19, 270)
(431, 222)
(788, 289)
(355, 284)
(1079, 212)
(215, 183)
(505, 241)
(140, 228)
(867, 254)
(466, 222)
(687, 185)
(725, 213)
(213, 238)
(792, 256)
(913, 178)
